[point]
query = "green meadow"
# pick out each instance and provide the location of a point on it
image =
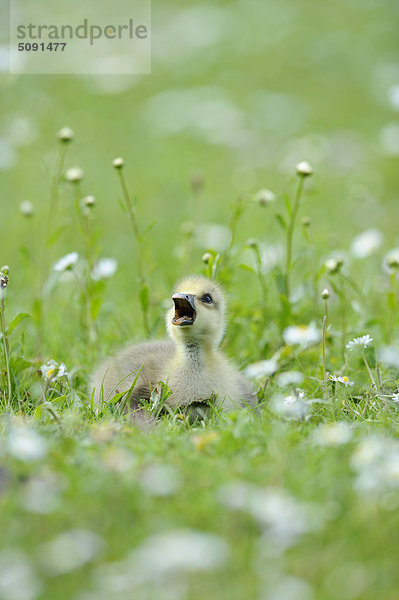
(262, 152)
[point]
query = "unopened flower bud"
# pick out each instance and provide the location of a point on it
(392, 260)
(265, 197)
(325, 294)
(65, 135)
(118, 163)
(74, 174)
(26, 208)
(207, 257)
(304, 169)
(89, 201)
(306, 221)
(252, 243)
(333, 265)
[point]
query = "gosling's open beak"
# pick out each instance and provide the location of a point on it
(185, 312)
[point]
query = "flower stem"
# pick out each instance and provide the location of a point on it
(136, 231)
(238, 210)
(373, 383)
(259, 273)
(344, 319)
(324, 352)
(85, 230)
(50, 221)
(55, 186)
(290, 234)
(5, 348)
(392, 306)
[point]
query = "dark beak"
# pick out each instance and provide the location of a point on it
(185, 312)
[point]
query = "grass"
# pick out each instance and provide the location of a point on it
(298, 499)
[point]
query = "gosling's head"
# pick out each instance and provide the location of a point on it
(198, 311)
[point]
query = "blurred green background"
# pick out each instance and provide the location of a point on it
(239, 93)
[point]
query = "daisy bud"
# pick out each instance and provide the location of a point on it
(304, 169)
(65, 135)
(26, 208)
(265, 197)
(206, 258)
(252, 243)
(333, 265)
(118, 163)
(74, 174)
(306, 221)
(392, 260)
(89, 201)
(325, 294)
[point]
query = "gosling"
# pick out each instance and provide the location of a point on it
(191, 363)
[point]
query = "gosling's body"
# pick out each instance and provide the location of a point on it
(191, 363)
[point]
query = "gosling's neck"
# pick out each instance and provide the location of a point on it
(195, 353)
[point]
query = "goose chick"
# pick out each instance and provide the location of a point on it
(191, 363)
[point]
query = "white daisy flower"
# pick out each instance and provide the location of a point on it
(282, 516)
(389, 356)
(333, 434)
(52, 370)
(66, 262)
(179, 551)
(24, 443)
(261, 368)
(364, 341)
(342, 379)
(160, 480)
(70, 550)
(295, 406)
(289, 378)
(366, 243)
(292, 398)
(104, 268)
(18, 580)
(302, 335)
(395, 397)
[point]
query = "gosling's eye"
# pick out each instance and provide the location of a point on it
(207, 299)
